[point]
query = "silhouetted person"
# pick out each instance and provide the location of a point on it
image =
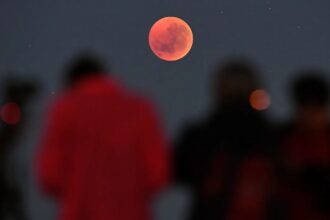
(305, 150)
(13, 115)
(224, 158)
(103, 153)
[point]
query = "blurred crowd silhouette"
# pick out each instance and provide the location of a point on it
(103, 154)
(16, 94)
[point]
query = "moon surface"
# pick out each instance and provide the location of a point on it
(170, 38)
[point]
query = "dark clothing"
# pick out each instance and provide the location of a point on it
(103, 154)
(305, 161)
(225, 161)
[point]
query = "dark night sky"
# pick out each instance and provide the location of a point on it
(38, 36)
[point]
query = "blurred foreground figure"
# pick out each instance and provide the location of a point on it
(103, 154)
(225, 158)
(13, 114)
(306, 150)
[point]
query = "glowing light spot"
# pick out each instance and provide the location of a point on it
(260, 100)
(10, 113)
(170, 38)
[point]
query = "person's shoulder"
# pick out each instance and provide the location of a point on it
(193, 129)
(60, 102)
(194, 126)
(139, 102)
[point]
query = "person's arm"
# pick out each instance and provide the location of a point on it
(155, 151)
(52, 155)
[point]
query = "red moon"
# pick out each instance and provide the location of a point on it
(170, 38)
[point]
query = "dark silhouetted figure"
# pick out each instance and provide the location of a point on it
(305, 150)
(17, 93)
(103, 152)
(224, 158)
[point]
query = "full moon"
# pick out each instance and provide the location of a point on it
(170, 38)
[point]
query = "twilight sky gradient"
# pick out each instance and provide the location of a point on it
(37, 37)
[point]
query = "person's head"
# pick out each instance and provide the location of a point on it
(82, 66)
(234, 82)
(311, 95)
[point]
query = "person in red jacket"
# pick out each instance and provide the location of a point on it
(103, 154)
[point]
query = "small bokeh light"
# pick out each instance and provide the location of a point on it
(10, 113)
(260, 100)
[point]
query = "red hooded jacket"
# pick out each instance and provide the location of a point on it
(103, 154)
